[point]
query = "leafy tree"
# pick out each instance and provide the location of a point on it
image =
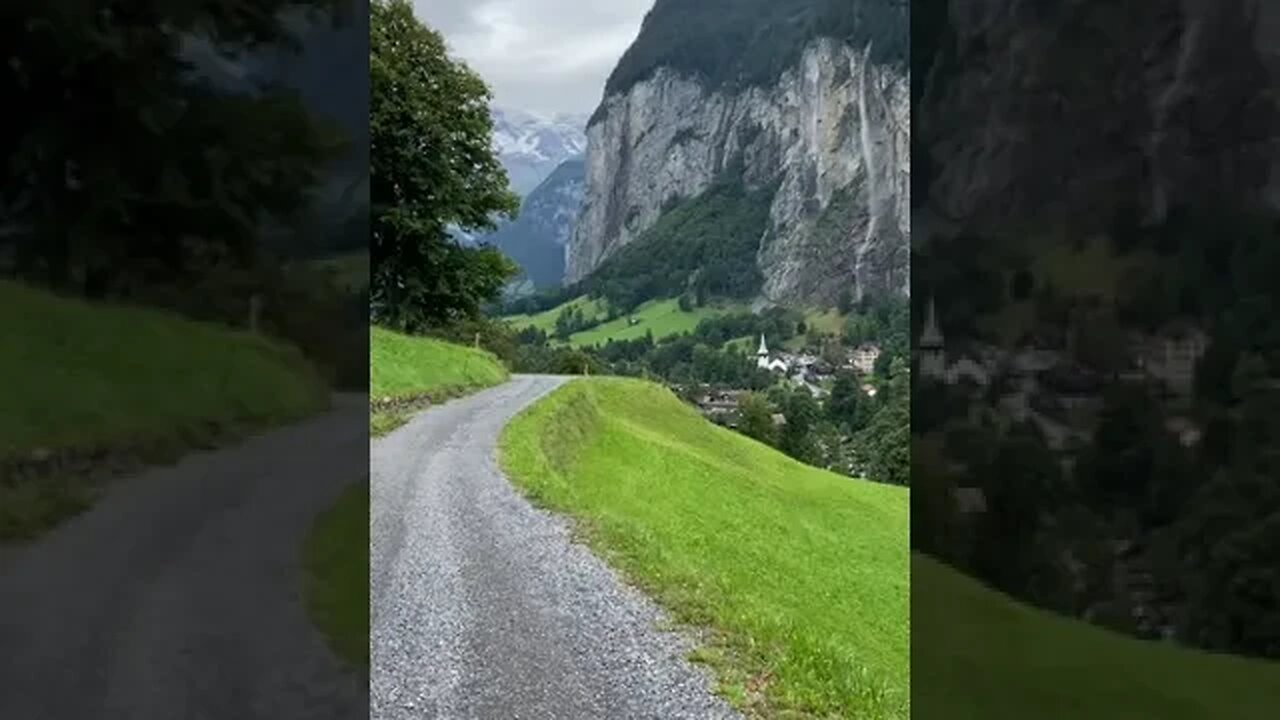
(802, 414)
(755, 418)
(845, 302)
(842, 405)
(432, 167)
(88, 209)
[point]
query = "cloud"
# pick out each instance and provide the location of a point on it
(545, 56)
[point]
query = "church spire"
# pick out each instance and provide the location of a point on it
(764, 349)
(932, 335)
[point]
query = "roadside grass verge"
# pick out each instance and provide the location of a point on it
(95, 388)
(407, 372)
(989, 657)
(795, 579)
(336, 580)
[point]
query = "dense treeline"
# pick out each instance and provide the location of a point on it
(432, 169)
(705, 246)
(203, 195)
(1204, 517)
(701, 248)
(752, 42)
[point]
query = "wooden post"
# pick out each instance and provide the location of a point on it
(477, 341)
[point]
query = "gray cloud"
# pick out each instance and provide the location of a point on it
(546, 56)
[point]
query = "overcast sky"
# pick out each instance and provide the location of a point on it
(543, 56)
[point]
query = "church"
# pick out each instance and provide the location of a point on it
(764, 362)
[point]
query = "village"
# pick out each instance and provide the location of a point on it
(1044, 383)
(804, 370)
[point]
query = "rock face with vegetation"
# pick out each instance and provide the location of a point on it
(537, 237)
(804, 101)
(1156, 121)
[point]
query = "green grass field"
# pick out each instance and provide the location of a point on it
(401, 366)
(661, 317)
(799, 575)
(336, 584)
(88, 378)
(987, 656)
(546, 320)
(828, 321)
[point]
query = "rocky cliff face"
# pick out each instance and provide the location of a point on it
(831, 134)
(1168, 101)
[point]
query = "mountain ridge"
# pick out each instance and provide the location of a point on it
(828, 123)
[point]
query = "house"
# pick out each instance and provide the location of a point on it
(968, 369)
(1186, 430)
(969, 500)
(863, 358)
(1171, 355)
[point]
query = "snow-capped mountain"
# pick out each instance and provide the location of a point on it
(531, 146)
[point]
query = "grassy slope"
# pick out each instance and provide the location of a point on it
(91, 377)
(546, 320)
(662, 317)
(828, 321)
(986, 656)
(801, 574)
(401, 366)
(95, 377)
(336, 585)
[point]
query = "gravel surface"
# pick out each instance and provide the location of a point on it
(483, 607)
(177, 595)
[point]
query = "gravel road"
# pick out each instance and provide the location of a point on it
(177, 595)
(482, 605)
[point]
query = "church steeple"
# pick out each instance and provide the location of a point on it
(931, 337)
(933, 358)
(764, 349)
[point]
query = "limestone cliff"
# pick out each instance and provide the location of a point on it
(831, 133)
(1062, 114)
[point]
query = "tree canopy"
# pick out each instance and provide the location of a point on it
(432, 168)
(190, 170)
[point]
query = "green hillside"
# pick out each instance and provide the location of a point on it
(987, 656)
(546, 320)
(86, 378)
(407, 367)
(800, 574)
(661, 317)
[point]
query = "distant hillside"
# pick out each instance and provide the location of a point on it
(800, 574)
(535, 240)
